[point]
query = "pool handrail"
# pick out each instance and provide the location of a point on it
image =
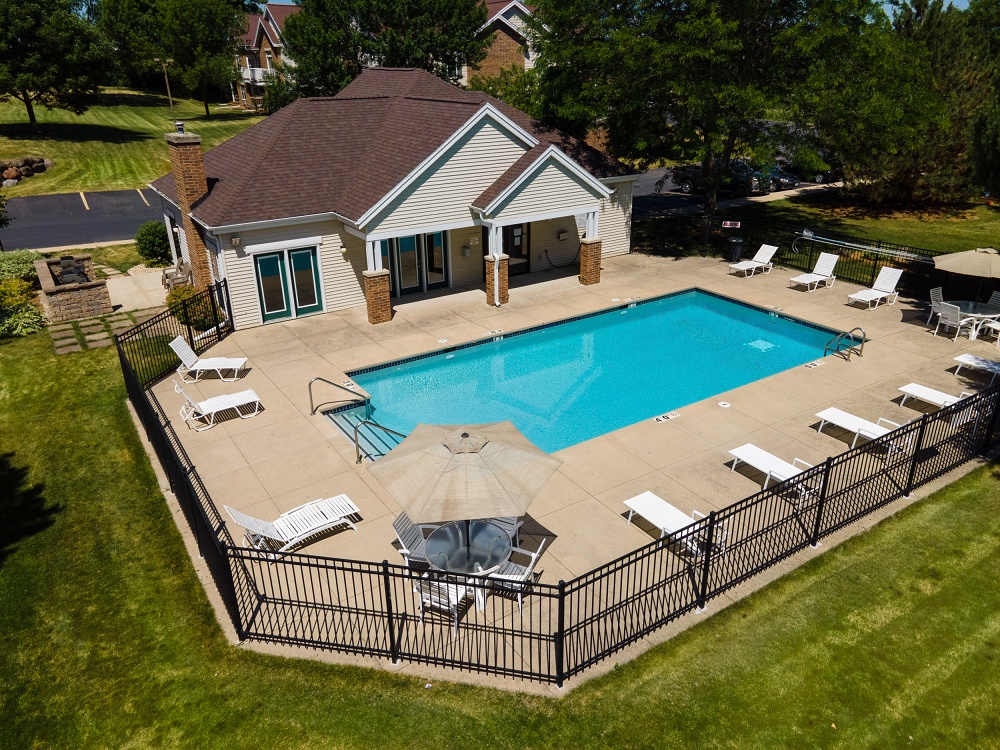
(835, 341)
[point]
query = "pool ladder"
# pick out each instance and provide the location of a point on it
(355, 396)
(834, 343)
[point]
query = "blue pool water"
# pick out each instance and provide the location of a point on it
(573, 381)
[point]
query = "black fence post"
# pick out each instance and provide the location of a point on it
(229, 305)
(560, 639)
(707, 564)
(187, 321)
(391, 625)
(871, 282)
(990, 434)
(823, 489)
(916, 453)
(237, 609)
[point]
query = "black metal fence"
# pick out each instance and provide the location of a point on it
(860, 258)
(550, 632)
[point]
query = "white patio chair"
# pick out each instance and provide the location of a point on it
(994, 301)
(294, 527)
(206, 411)
(441, 596)
(937, 297)
(822, 273)
(760, 262)
(511, 525)
(860, 427)
(991, 326)
(977, 363)
(517, 578)
(929, 395)
(771, 466)
(413, 547)
(191, 363)
(950, 316)
(884, 289)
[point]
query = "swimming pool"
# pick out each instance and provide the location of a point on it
(568, 382)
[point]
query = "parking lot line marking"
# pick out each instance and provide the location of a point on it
(142, 196)
(84, 199)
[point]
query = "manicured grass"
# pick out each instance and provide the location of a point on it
(948, 229)
(117, 144)
(120, 257)
(891, 640)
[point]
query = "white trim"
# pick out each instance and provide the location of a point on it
(273, 247)
(550, 153)
(529, 218)
(170, 236)
(268, 223)
(429, 229)
(486, 110)
(162, 195)
(624, 178)
(499, 15)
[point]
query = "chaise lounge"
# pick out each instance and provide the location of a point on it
(856, 425)
(929, 395)
(822, 273)
(770, 465)
(760, 262)
(190, 363)
(883, 290)
(294, 527)
(206, 411)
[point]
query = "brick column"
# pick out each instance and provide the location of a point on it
(190, 182)
(590, 262)
(377, 296)
(504, 289)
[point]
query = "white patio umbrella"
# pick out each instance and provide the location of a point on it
(455, 473)
(983, 262)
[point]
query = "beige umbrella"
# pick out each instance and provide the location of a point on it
(983, 262)
(454, 473)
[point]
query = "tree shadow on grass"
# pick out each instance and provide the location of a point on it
(23, 508)
(132, 99)
(59, 131)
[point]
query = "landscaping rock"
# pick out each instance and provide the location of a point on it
(39, 167)
(27, 171)
(9, 183)
(47, 163)
(17, 163)
(11, 173)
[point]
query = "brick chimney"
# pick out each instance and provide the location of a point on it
(190, 182)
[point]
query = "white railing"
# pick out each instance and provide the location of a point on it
(254, 75)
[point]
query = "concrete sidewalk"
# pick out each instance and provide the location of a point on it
(139, 291)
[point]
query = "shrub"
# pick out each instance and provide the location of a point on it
(196, 314)
(19, 264)
(20, 320)
(14, 292)
(153, 244)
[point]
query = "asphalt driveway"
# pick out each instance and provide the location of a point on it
(44, 221)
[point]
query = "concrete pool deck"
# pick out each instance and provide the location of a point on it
(284, 457)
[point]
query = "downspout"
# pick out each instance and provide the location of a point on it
(496, 274)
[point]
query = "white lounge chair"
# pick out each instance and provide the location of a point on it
(442, 596)
(664, 517)
(190, 363)
(822, 273)
(860, 427)
(297, 525)
(517, 578)
(929, 395)
(884, 289)
(768, 464)
(205, 411)
(977, 363)
(950, 316)
(937, 297)
(760, 262)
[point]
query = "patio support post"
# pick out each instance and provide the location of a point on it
(590, 253)
(560, 636)
(823, 489)
(911, 476)
(497, 269)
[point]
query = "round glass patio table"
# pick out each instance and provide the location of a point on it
(979, 310)
(468, 547)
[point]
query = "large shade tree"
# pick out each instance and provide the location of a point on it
(984, 23)
(332, 41)
(50, 55)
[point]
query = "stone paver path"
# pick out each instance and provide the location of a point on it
(93, 333)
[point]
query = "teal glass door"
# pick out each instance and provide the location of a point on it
(409, 264)
(435, 260)
(272, 286)
(305, 281)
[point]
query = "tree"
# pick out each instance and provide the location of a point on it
(133, 28)
(332, 41)
(668, 79)
(279, 91)
(514, 85)
(201, 36)
(49, 55)
(984, 23)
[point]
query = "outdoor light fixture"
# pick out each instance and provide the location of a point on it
(563, 234)
(234, 241)
(466, 250)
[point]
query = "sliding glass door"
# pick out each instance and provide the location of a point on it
(417, 263)
(288, 283)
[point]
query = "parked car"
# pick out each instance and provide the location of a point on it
(740, 179)
(834, 174)
(782, 180)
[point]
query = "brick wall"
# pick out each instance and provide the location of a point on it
(504, 280)
(189, 178)
(377, 296)
(507, 49)
(590, 262)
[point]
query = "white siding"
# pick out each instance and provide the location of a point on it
(443, 194)
(467, 271)
(545, 237)
(340, 273)
(615, 220)
(554, 188)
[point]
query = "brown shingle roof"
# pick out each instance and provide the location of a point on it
(249, 36)
(344, 154)
(280, 13)
(515, 170)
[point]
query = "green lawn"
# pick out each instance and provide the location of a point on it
(117, 144)
(949, 229)
(891, 640)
